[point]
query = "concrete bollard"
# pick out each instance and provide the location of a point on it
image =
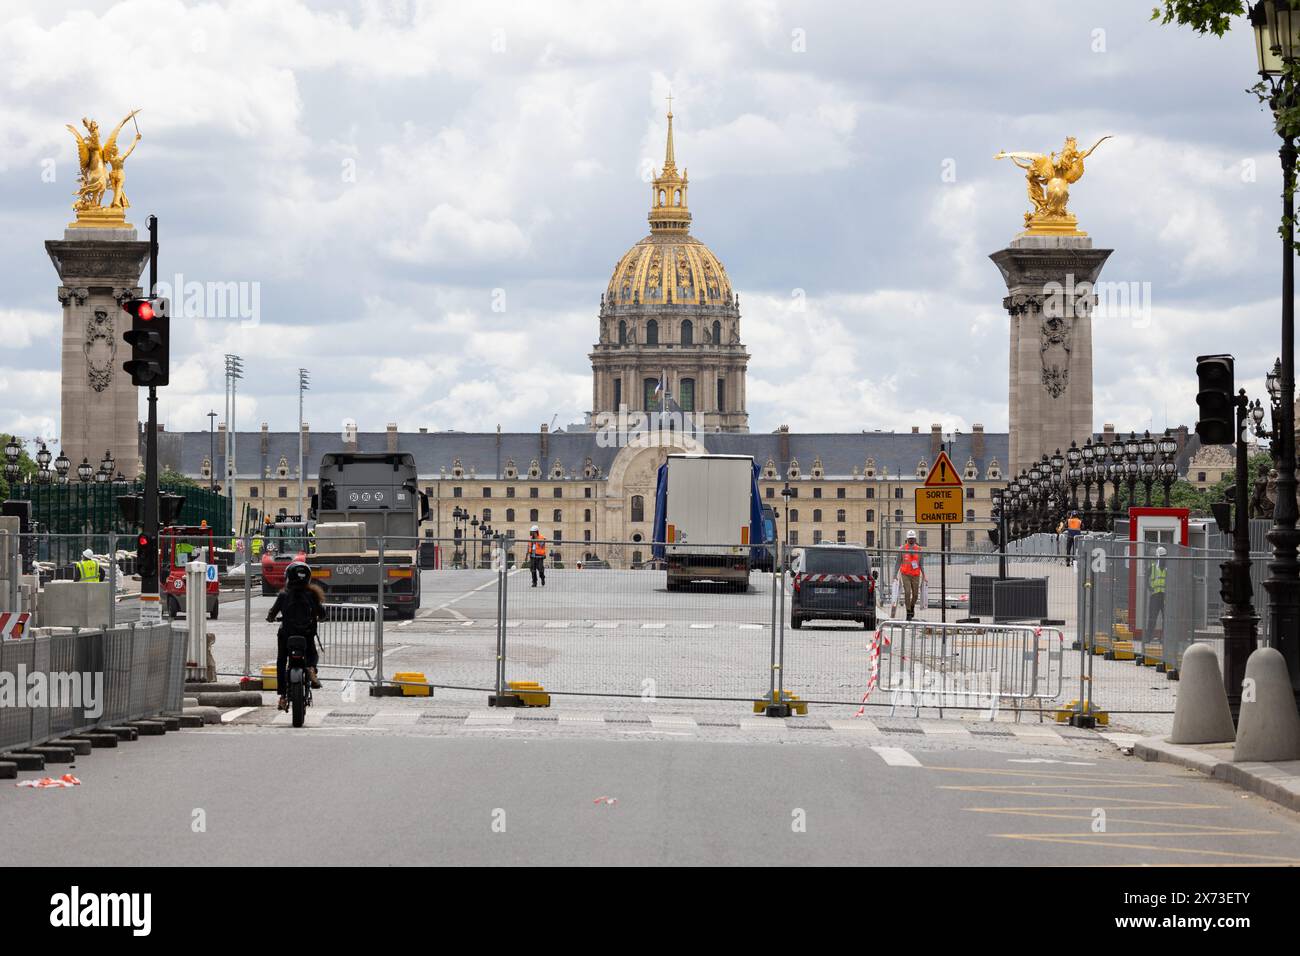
(1201, 715)
(1269, 727)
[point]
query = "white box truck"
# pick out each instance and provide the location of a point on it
(708, 519)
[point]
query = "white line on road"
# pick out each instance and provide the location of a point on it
(232, 715)
(605, 624)
(896, 757)
(649, 627)
(662, 733)
(703, 627)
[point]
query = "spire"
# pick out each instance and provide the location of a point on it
(668, 209)
(670, 162)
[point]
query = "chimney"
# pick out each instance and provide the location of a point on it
(264, 438)
(546, 446)
(423, 430)
(392, 437)
(916, 429)
(1180, 435)
(221, 428)
(783, 446)
(936, 440)
(1107, 433)
(977, 442)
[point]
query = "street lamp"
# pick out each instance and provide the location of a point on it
(12, 451)
(85, 471)
(1277, 43)
(61, 465)
(106, 465)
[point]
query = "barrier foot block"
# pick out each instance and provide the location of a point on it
(505, 700)
(385, 690)
(24, 761)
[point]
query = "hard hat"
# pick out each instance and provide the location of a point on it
(297, 573)
(1161, 552)
(911, 535)
(534, 528)
(88, 553)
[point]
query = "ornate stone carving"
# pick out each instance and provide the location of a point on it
(1054, 348)
(73, 295)
(100, 348)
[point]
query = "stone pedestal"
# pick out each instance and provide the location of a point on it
(1049, 280)
(98, 269)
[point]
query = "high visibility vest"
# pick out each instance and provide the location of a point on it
(537, 547)
(1158, 575)
(911, 564)
(89, 569)
(1075, 524)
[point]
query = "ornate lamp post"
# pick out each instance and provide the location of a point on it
(1148, 466)
(12, 451)
(1168, 466)
(84, 471)
(1277, 42)
(1074, 473)
(61, 466)
(1088, 454)
(473, 534)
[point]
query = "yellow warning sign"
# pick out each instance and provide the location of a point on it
(942, 473)
(941, 505)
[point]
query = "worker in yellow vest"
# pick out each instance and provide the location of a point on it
(88, 568)
(1157, 580)
(537, 555)
(911, 573)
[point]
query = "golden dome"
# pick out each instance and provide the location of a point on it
(669, 269)
(669, 266)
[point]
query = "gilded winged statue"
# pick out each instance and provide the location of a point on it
(102, 166)
(1048, 177)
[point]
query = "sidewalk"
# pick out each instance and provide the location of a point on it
(1278, 782)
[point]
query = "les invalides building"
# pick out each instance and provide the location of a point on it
(668, 342)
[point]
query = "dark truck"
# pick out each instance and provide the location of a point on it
(376, 490)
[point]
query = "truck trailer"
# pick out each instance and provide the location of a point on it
(708, 519)
(364, 497)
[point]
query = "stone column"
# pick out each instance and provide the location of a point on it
(98, 268)
(1049, 280)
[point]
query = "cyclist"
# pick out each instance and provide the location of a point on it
(300, 605)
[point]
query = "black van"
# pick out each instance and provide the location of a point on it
(834, 582)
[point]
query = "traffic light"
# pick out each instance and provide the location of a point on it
(146, 556)
(149, 340)
(1217, 424)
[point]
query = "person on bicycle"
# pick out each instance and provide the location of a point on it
(300, 605)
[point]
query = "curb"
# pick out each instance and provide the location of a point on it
(1271, 781)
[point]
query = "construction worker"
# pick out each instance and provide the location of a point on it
(1157, 579)
(1073, 528)
(537, 555)
(87, 568)
(911, 573)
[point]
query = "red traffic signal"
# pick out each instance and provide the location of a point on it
(143, 541)
(141, 309)
(149, 340)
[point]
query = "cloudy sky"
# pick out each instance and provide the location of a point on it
(424, 200)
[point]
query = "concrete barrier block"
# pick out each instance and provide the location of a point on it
(1269, 727)
(8, 770)
(24, 761)
(1201, 715)
(238, 699)
(341, 537)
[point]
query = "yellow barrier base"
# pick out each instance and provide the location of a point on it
(1121, 651)
(269, 678)
(530, 692)
(1063, 714)
(798, 706)
(413, 684)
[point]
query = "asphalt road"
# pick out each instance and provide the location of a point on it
(328, 796)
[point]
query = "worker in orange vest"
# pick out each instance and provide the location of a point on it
(911, 573)
(537, 555)
(1073, 528)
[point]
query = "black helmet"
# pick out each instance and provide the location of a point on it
(297, 574)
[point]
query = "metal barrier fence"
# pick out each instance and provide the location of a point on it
(1138, 613)
(91, 678)
(349, 639)
(965, 666)
(606, 624)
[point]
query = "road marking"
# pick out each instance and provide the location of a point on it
(232, 715)
(555, 624)
(664, 733)
(854, 725)
(896, 757)
(647, 627)
(762, 724)
(395, 717)
(702, 627)
(1033, 732)
(489, 718)
(753, 627)
(580, 719)
(605, 624)
(1068, 763)
(676, 721)
(944, 727)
